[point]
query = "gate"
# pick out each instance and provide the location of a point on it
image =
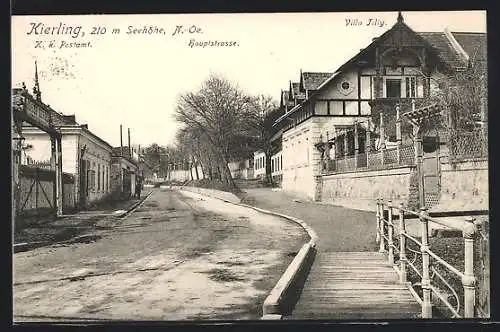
(431, 169)
(36, 190)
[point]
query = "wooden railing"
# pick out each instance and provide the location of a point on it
(432, 285)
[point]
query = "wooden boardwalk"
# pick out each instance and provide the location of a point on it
(354, 286)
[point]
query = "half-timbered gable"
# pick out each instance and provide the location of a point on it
(399, 67)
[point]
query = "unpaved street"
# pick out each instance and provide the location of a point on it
(180, 256)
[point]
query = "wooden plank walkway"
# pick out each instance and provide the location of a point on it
(353, 286)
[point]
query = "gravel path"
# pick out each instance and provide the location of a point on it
(338, 228)
(177, 257)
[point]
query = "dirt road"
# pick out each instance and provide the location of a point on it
(180, 256)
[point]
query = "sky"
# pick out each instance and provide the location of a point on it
(135, 79)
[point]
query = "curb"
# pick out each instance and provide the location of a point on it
(286, 292)
(135, 206)
(25, 246)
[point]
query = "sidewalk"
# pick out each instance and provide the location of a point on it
(70, 227)
(338, 228)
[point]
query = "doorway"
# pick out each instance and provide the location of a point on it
(83, 183)
(431, 170)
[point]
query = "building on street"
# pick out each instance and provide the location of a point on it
(343, 108)
(85, 155)
(123, 173)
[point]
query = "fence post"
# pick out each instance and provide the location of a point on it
(346, 152)
(469, 281)
(382, 137)
(402, 244)
(398, 134)
(37, 178)
(420, 169)
(356, 145)
(59, 178)
(390, 230)
(368, 146)
(381, 227)
(378, 220)
(426, 282)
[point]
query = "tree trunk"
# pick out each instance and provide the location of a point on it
(269, 177)
(230, 179)
(195, 164)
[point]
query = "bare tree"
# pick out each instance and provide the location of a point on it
(267, 111)
(219, 112)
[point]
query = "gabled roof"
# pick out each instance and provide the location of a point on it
(312, 80)
(451, 49)
(296, 94)
(473, 43)
(284, 97)
(445, 50)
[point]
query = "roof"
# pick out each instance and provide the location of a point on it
(284, 97)
(445, 45)
(445, 50)
(473, 43)
(125, 152)
(296, 91)
(312, 80)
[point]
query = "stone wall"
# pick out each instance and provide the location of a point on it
(464, 186)
(360, 190)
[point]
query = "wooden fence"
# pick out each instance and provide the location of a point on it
(436, 282)
(36, 192)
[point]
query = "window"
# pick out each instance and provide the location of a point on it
(366, 89)
(393, 88)
(91, 179)
(411, 87)
(321, 107)
(351, 108)
(98, 177)
(336, 108)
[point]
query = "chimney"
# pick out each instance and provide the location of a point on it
(69, 119)
(121, 141)
(129, 147)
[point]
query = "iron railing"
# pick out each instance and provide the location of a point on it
(375, 160)
(432, 283)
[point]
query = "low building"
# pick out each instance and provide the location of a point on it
(123, 173)
(259, 162)
(242, 169)
(277, 167)
(84, 155)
